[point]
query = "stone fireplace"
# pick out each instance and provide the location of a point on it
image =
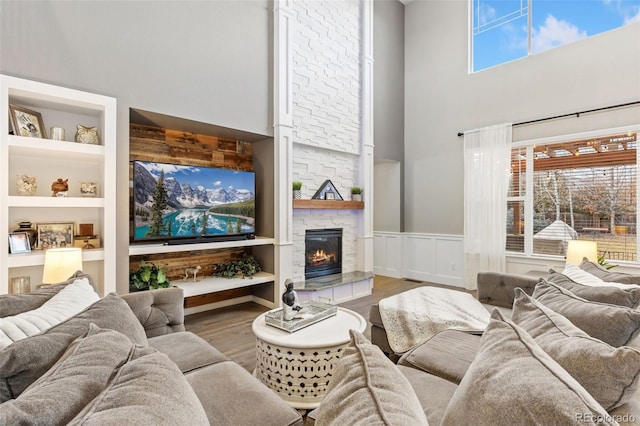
(323, 252)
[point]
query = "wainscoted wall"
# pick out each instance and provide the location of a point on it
(439, 259)
(435, 258)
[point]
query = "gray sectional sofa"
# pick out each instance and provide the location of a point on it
(85, 371)
(506, 378)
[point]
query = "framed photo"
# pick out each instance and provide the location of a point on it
(52, 235)
(25, 122)
(19, 242)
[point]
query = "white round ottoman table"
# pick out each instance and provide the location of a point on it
(299, 365)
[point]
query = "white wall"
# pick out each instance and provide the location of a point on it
(386, 199)
(441, 99)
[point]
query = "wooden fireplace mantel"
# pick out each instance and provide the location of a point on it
(328, 204)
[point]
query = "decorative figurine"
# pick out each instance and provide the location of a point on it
(60, 187)
(192, 271)
(290, 299)
(26, 185)
(88, 135)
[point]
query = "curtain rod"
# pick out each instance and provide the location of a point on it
(577, 114)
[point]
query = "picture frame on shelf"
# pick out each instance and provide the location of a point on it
(26, 122)
(19, 243)
(53, 235)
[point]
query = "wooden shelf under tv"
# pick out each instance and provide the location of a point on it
(328, 204)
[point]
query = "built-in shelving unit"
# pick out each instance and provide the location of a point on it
(161, 138)
(47, 160)
(328, 204)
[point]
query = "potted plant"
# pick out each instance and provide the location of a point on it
(297, 194)
(148, 276)
(246, 267)
(356, 194)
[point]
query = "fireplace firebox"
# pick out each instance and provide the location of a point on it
(323, 252)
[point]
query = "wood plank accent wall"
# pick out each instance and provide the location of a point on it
(173, 264)
(148, 143)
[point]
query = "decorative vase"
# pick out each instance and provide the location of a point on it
(297, 194)
(356, 197)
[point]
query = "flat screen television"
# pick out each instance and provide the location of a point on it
(177, 203)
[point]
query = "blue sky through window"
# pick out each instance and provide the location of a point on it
(500, 27)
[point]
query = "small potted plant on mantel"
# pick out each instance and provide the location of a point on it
(297, 193)
(356, 194)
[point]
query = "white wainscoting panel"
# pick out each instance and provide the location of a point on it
(436, 258)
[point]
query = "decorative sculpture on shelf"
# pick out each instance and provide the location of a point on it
(60, 187)
(85, 134)
(291, 305)
(192, 271)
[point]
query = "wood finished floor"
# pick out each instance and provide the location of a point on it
(229, 329)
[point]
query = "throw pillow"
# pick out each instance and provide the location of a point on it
(629, 297)
(367, 388)
(609, 374)
(583, 277)
(72, 299)
(75, 379)
(22, 362)
(606, 275)
(13, 304)
(149, 390)
(615, 325)
(514, 382)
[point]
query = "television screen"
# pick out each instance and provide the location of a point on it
(174, 202)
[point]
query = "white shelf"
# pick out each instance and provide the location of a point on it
(36, 258)
(47, 159)
(139, 249)
(214, 284)
(54, 202)
(20, 145)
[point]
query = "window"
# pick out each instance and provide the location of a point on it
(582, 188)
(504, 30)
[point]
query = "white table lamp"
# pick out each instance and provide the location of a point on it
(579, 249)
(60, 264)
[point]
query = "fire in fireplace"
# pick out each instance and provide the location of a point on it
(323, 252)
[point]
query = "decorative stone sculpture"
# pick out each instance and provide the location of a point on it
(291, 306)
(26, 185)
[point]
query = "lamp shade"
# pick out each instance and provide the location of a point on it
(60, 264)
(579, 249)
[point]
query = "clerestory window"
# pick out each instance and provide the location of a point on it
(577, 188)
(504, 30)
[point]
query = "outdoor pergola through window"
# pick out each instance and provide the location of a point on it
(580, 189)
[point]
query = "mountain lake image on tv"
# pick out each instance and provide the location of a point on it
(175, 202)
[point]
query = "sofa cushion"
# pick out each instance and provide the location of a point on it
(72, 299)
(149, 390)
(496, 288)
(187, 350)
(448, 354)
(75, 379)
(606, 275)
(230, 395)
(22, 362)
(367, 388)
(433, 392)
(513, 382)
(609, 374)
(615, 325)
(13, 304)
(629, 297)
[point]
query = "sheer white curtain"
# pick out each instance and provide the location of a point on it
(487, 154)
